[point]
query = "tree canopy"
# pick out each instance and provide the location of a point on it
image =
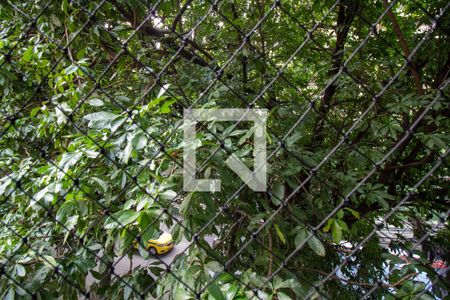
(91, 147)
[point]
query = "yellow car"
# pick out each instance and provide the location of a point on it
(159, 246)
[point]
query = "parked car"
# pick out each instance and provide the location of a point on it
(161, 245)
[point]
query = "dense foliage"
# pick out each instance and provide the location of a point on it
(91, 145)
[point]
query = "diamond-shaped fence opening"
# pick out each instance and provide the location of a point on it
(97, 102)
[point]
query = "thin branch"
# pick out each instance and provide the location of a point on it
(404, 46)
(179, 15)
(147, 27)
(169, 40)
(346, 15)
(416, 163)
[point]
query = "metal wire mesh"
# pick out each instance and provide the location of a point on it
(42, 260)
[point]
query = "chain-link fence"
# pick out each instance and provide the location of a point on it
(93, 97)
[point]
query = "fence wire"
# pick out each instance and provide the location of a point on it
(83, 227)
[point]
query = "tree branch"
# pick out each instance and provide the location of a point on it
(177, 18)
(412, 164)
(405, 48)
(148, 29)
(346, 14)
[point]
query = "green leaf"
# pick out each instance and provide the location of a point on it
(69, 159)
(247, 135)
(383, 203)
(55, 20)
(214, 291)
(104, 120)
(214, 266)
(103, 184)
(353, 212)
(165, 108)
(289, 283)
(139, 139)
(40, 275)
(181, 293)
(71, 222)
(127, 292)
(316, 245)
(95, 102)
(300, 237)
(10, 294)
(28, 54)
(20, 270)
(127, 153)
(235, 132)
(155, 102)
(186, 203)
(328, 226)
(116, 123)
(49, 260)
(261, 260)
(283, 296)
(293, 138)
(336, 232)
(278, 192)
(168, 195)
(70, 69)
(144, 224)
(121, 218)
(101, 116)
(343, 225)
(65, 211)
(391, 258)
(280, 234)
(224, 278)
(231, 291)
(426, 297)
(385, 195)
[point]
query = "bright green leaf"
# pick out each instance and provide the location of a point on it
(280, 234)
(120, 219)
